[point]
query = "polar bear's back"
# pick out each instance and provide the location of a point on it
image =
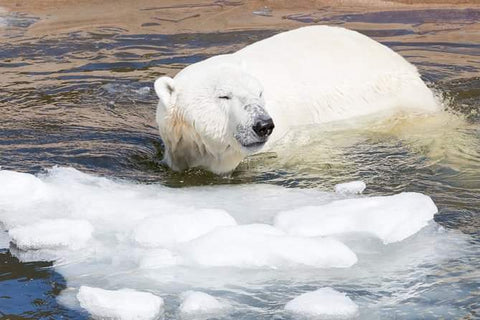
(323, 54)
(319, 74)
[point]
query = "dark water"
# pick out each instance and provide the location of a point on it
(84, 99)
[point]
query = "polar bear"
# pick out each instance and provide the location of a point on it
(216, 112)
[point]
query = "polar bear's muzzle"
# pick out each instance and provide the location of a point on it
(253, 134)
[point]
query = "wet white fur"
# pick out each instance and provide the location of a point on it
(310, 75)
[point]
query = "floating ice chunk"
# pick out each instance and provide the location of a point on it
(124, 304)
(353, 187)
(391, 218)
(170, 229)
(18, 184)
(324, 303)
(261, 245)
(158, 258)
(198, 303)
(53, 233)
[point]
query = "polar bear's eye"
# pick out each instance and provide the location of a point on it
(261, 94)
(225, 97)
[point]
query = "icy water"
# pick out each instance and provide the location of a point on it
(84, 100)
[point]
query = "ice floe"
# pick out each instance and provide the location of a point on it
(353, 187)
(172, 228)
(51, 234)
(324, 303)
(261, 245)
(123, 304)
(196, 303)
(18, 184)
(158, 258)
(169, 240)
(390, 218)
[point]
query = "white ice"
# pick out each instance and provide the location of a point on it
(51, 234)
(352, 187)
(390, 218)
(158, 258)
(261, 245)
(324, 303)
(195, 303)
(170, 229)
(123, 304)
(168, 240)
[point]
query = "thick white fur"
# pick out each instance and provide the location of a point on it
(309, 75)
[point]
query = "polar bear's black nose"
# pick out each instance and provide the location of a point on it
(263, 127)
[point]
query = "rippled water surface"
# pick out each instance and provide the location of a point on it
(84, 99)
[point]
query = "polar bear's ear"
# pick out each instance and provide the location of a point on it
(165, 87)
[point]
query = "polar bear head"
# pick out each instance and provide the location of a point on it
(211, 116)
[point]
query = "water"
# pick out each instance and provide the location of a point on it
(82, 98)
